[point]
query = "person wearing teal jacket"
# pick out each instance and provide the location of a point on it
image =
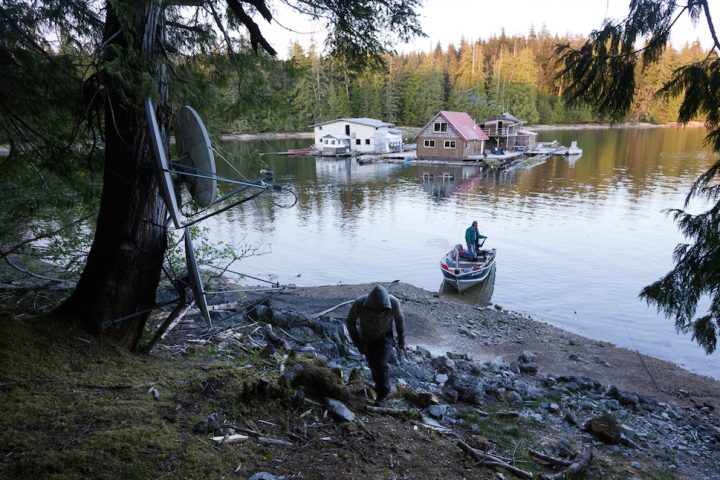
(472, 238)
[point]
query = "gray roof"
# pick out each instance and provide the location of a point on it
(504, 116)
(371, 122)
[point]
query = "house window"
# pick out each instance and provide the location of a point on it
(357, 141)
(332, 142)
(347, 129)
(367, 141)
(429, 143)
(448, 178)
(440, 127)
(325, 141)
(428, 177)
(319, 128)
(449, 143)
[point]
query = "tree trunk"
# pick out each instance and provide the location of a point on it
(117, 287)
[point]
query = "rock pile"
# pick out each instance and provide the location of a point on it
(453, 391)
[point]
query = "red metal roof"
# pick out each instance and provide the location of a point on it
(464, 125)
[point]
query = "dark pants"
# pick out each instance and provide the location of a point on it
(378, 355)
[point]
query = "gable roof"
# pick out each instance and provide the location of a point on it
(370, 122)
(463, 124)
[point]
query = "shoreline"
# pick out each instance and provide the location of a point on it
(443, 324)
(284, 382)
(411, 131)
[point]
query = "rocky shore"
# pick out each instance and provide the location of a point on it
(276, 384)
(466, 364)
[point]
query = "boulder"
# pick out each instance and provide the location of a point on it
(604, 428)
(338, 410)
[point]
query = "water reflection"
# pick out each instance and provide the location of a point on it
(578, 237)
(441, 181)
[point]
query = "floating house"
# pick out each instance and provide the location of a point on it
(357, 135)
(506, 133)
(451, 135)
(333, 144)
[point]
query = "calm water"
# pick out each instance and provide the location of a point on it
(576, 239)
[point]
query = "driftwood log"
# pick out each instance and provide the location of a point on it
(273, 337)
(493, 461)
(580, 464)
(275, 442)
(561, 462)
(229, 439)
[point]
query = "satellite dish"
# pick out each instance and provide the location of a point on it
(195, 280)
(195, 153)
(167, 190)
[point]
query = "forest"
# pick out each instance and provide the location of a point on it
(517, 74)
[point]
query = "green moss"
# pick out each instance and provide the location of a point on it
(75, 407)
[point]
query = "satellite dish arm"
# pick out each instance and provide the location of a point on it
(228, 207)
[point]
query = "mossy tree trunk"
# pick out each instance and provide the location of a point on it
(117, 287)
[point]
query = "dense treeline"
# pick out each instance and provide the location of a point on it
(482, 78)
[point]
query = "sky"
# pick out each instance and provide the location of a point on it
(447, 21)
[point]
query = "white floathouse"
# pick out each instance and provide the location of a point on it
(363, 135)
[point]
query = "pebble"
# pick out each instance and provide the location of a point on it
(683, 434)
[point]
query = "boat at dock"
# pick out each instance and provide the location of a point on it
(302, 151)
(544, 148)
(573, 149)
(554, 148)
(462, 273)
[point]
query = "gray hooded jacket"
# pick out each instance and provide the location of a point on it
(376, 312)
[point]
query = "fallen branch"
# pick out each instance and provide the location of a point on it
(548, 459)
(275, 442)
(229, 439)
(274, 339)
(439, 429)
(171, 321)
(387, 410)
(320, 314)
(493, 461)
(579, 465)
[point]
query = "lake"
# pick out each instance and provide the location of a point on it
(577, 239)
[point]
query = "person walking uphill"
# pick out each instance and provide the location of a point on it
(376, 312)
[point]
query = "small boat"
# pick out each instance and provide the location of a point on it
(300, 151)
(462, 273)
(573, 149)
(541, 148)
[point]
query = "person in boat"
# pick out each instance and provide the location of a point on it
(472, 238)
(376, 312)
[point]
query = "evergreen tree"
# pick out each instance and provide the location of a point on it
(133, 46)
(602, 72)
(518, 91)
(390, 92)
(432, 87)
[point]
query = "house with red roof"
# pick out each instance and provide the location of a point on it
(452, 135)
